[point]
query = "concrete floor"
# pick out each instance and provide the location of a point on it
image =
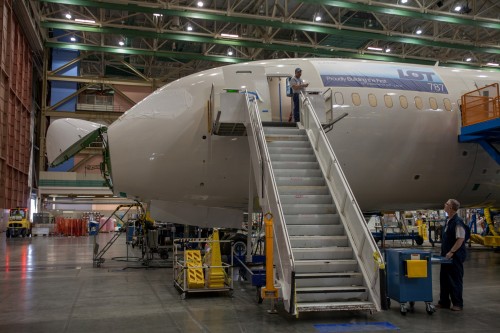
(48, 284)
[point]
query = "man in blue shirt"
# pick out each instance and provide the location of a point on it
(452, 247)
(298, 86)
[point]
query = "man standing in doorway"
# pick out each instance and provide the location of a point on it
(452, 247)
(298, 85)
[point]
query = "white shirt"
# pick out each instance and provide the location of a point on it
(297, 81)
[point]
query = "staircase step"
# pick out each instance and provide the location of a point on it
(315, 230)
(284, 131)
(331, 294)
(317, 241)
(300, 208)
(335, 306)
(320, 280)
(287, 137)
(298, 173)
(290, 150)
(293, 158)
(326, 266)
(288, 144)
(312, 219)
(300, 181)
(323, 253)
(305, 276)
(305, 199)
(304, 190)
(279, 165)
(344, 289)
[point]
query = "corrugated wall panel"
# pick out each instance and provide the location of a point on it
(15, 109)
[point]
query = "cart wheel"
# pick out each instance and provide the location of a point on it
(403, 309)
(259, 296)
(419, 240)
(430, 308)
(412, 306)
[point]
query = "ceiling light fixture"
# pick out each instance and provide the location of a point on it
(230, 35)
(200, 4)
(317, 17)
(492, 64)
(121, 43)
(157, 15)
(189, 28)
(73, 39)
(419, 31)
(468, 59)
(387, 50)
(84, 21)
(230, 52)
(68, 16)
(374, 48)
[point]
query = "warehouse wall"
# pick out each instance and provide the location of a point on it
(15, 110)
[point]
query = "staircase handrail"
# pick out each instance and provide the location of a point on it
(364, 246)
(269, 198)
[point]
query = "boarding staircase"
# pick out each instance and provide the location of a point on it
(324, 252)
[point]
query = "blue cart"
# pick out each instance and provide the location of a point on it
(409, 278)
(254, 271)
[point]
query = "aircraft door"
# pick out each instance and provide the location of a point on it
(252, 78)
(281, 104)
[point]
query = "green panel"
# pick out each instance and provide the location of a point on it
(72, 183)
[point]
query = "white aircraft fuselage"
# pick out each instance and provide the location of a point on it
(398, 146)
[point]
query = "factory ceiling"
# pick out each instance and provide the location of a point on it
(163, 40)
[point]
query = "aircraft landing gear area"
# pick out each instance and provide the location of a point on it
(409, 278)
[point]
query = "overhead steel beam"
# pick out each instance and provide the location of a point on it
(193, 12)
(198, 38)
(412, 12)
(95, 80)
(134, 51)
(317, 52)
(86, 115)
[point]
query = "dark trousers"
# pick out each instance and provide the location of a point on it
(296, 112)
(451, 283)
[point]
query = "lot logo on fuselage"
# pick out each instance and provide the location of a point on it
(416, 75)
(379, 76)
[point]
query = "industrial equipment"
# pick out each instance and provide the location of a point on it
(409, 278)
(19, 223)
(198, 266)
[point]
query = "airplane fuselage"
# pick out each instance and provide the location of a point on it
(398, 145)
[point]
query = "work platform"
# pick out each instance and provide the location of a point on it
(481, 119)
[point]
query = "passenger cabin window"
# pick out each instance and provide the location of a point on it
(403, 101)
(372, 99)
(433, 102)
(356, 99)
(339, 98)
(388, 101)
(419, 103)
(447, 104)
